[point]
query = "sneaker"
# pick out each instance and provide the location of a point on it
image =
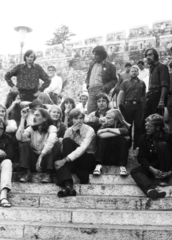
(123, 171)
(47, 178)
(26, 178)
(98, 170)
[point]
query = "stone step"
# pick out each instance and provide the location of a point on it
(88, 216)
(90, 202)
(26, 231)
(103, 179)
(88, 190)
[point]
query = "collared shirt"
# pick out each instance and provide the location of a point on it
(28, 78)
(159, 76)
(55, 85)
(85, 138)
(134, 90)
(96, 75)
(143, 74)
(41, 143)
(82, 108)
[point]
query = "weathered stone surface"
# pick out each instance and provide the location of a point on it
(95, 232)
(103, 179)
(95, 189)
(35, 215)
(12, 231)
(90, 202)
(143, 218)
(24, 200)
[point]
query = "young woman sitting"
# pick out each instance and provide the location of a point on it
(78, 154)
(67, 105)
(40, 147)
(112, 137)
(6, 157)
(56, 115)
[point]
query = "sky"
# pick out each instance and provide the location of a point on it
(85, 18)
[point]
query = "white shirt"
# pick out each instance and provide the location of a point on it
(83, 109)
(86, 140)
(55, 85)
(143, 74)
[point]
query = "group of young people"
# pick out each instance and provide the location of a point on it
(63, 138)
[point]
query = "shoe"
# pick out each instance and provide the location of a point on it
(123, 171)
(154, 194)
(66, 192)
(46, 179)
(97, 170)
(25, 178)
(163, 183)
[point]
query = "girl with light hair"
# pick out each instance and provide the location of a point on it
(112, 142)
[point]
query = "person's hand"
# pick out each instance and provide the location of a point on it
(102, 120)
(2, 154)
(94, 119)
(67, 111)
(75, 127)
(166, 174)
(157, 173)
(25, 112)
(37, 93)
(60, 163)
(38, 163)
(14, 89)
(16, 102)
(161, 104)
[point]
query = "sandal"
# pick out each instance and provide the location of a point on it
(66, 192)
(5, 203)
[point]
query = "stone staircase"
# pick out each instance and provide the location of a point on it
(110, 207)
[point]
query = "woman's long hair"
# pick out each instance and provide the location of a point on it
(58, 109)
(5, 117)
(116, 113)
(45, 125)
(63, 105)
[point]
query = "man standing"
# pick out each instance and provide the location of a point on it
(28, 75)
(55, 86)
(159, 82)
(132, 94)
(101, 77)
(126, 75)
(154, 157)
(143, 73)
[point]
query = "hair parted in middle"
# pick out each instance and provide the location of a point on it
(155, 53)
(45, 125)
(28, 53)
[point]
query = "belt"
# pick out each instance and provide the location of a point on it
(132, 102)
(152, 92)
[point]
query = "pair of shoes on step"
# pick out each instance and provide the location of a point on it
(28, 177)
(98, 171)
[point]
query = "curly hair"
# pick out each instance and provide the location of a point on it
(45, 125)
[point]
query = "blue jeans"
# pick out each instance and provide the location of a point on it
(92, 100)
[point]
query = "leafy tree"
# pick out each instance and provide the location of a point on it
(61, 35)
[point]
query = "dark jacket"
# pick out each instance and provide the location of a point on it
(7, 146)
(146, 156)
(108, 76)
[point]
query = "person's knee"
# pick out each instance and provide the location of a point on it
(134, 171)
(67, 140)
(6, 164)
